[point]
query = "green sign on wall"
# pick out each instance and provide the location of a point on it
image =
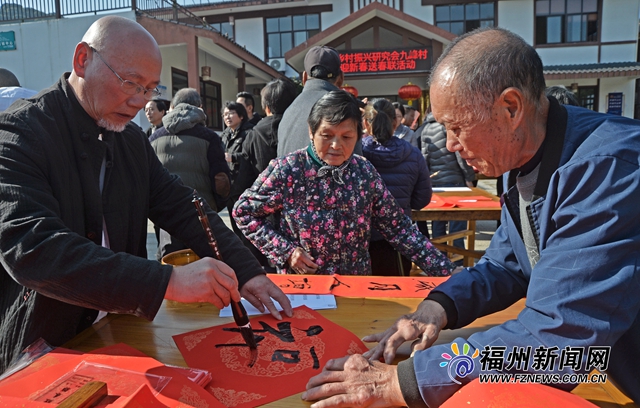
(7, 40)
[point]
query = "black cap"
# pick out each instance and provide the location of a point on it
(323, 56)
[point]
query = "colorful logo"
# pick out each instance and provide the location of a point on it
(460, 365)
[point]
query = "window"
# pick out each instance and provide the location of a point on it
(462, 18)
(225, 29)
(566, 21)
(179, 80)
(587, 97)
(211, 102)
(284, 33)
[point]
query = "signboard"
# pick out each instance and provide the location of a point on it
(399, 60)
(7, 40)
(614, 103)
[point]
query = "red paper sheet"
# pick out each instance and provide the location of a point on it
(475, 394)
(291, 351)
(471, 202)
(384, 286)
(358, 286)
(49, 368)
(303, 284)
(438, 202)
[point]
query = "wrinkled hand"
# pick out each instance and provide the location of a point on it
(354, 381)
(205, 280)
(301, 262)
(424, 325)
(260, 290)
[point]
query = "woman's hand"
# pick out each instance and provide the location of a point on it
(301, 262)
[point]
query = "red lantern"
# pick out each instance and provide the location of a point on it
(351, 89)
(409, 92)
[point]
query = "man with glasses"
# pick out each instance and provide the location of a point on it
(77, 184)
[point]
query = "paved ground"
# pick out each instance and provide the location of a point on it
(485, 229)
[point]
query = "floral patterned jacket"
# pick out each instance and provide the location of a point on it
(330, 221)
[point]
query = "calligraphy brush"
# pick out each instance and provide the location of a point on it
(239, 313)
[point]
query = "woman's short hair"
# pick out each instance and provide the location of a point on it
(278, 94)
(381, 115)
(238, 107)
(335, 107)
(398, 105)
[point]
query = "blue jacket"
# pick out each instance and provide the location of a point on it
(583, 291)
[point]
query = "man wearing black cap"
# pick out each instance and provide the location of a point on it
(322, 74)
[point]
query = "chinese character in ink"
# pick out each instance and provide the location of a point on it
(544, 358)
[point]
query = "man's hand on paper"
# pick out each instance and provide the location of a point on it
(205, 280)
(260, 291)
(354, 381)
(423, 326)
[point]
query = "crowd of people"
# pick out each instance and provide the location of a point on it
(323, 184)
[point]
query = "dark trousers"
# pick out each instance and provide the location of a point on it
(386, 261)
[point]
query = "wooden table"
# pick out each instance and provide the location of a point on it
(471, 215)
(360, 315)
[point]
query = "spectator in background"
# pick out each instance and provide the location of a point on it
(261, 144)
(235, 117)
(405, 174)
(448, 169)
(328, 199)
(322, 74)
(155, 111)
(192, 151)
(562, 94)
(402, 131)
(246, 99)
(10, 89)
(410, 118)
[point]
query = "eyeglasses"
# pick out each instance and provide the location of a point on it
(130, 87)
(229, 114)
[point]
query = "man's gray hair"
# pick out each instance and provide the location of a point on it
(487, 61)
(186, 95)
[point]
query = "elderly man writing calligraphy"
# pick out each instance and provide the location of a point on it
(77, 184)
(568, 241)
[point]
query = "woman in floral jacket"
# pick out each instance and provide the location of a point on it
(327, 200)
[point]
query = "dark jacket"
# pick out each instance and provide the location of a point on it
(54, 273)
(403, 170)
(450, 167)
(193, 152)
(293, 132)
(233, 141)
(258, 149)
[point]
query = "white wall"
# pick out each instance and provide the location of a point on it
(44, 49)
(250, 34)
(517, 16)
(620, 20)
(624, 85)
(568, 55)
(341, 10)
(416, 9)
(619, 53)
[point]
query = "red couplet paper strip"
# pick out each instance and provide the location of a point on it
(475, 394)
(290, 352)
(384, 286)
(56, 364)
(471, 202)
(438, 202)
(303, 284)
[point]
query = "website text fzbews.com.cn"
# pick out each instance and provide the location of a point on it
(521, 378)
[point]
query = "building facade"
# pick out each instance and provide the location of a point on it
(222, 47)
